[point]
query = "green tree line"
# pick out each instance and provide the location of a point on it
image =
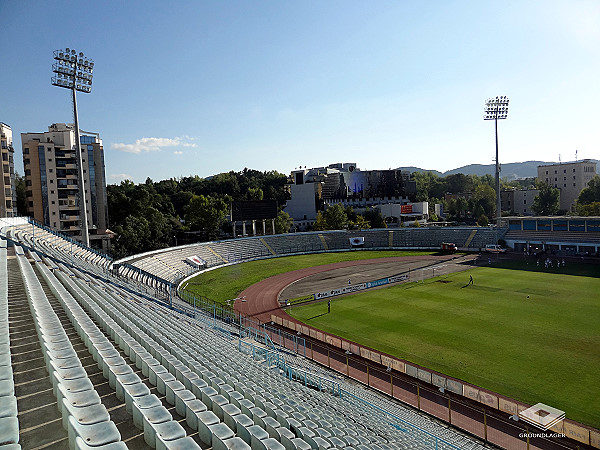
(153, 215)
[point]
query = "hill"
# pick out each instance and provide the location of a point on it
(512, 171)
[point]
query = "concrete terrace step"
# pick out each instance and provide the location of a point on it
(40, 421)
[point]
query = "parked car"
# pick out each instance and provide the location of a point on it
(493, 248)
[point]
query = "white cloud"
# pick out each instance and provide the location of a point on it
(120, 176)
(178, 152)
(151, 145)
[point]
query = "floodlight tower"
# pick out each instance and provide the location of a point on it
(495, 109)
(74, 71)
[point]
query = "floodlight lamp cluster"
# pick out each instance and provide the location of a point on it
(73, 70)
(496, 108)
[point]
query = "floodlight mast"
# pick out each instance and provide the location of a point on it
(495, 109)
(74, 71)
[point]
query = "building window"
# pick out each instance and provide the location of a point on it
(555, 172)
(565, 179)
(546, 172)
(50, 170)
(524, 202)
(26, 151)
(573, 176)
(574, 184)
(573, 170)
(53, 213)
(555, 179)
(53, 202)
(52, 192)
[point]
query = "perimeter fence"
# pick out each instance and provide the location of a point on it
(478, 420)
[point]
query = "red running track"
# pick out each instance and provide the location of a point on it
(262, 297)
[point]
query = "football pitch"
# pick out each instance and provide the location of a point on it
(532, 335)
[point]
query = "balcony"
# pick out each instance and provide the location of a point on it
(68, 202)
(67, 186)
(65, 165)
(64, 217)
(70, 228)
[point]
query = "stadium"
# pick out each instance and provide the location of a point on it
(123, 356)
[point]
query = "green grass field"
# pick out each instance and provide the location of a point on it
(542, 349)
(545, 348)
(226, 283)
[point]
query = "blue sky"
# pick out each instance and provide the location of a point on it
(197, 88)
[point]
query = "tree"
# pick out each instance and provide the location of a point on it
(375, 218)
(283, 222)
(591, 193)
(132, 235)
(457, 207)
(478, 211)
(206, 213)
(254, 194)
(458, 183)
(546, 203)
(336, 217)
(483, 221)
(360, 222)
(591, 209)
(320, 223)
(21, 195)
(350, 214)
(428, 185)
(484, 196)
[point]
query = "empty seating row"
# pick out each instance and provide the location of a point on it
(33, 235)
(87, 423)
(224, 388)
(176, 389)
(9, 424)
(219, 363)
(160, 430)
(222, 403)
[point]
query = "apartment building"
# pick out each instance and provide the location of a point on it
(8, 196)
(52, 190)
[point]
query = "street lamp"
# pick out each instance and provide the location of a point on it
(496, 108)
(74, 71)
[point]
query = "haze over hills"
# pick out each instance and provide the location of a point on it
(512, 171)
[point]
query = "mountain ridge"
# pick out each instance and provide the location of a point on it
(511, 171)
